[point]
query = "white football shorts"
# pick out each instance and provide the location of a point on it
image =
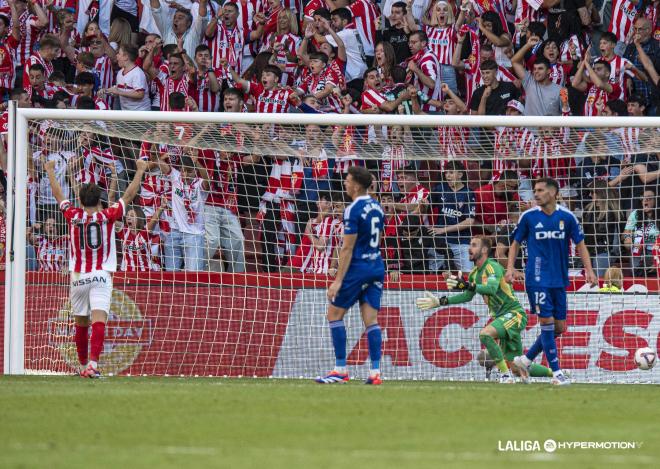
(90, 291)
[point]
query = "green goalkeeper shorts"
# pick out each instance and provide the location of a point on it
(509, 328)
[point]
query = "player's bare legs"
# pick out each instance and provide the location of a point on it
(488, 337)
(375, 340)
(99, 318)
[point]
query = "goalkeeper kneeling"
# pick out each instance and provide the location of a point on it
(509, 317)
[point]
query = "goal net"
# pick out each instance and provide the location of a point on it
(224, 257)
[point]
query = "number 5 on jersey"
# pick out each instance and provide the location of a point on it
(374, 242)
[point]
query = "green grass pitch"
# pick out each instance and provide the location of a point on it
(251, 423)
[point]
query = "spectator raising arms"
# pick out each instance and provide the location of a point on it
(239, 197)
(185, 244)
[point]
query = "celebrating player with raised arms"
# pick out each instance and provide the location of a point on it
(547, 228)
(360, 276)
(92, 259)
(509, 317)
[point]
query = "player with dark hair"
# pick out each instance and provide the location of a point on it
(547, 228)
(509, 317)
(92, 259)
(360, 276)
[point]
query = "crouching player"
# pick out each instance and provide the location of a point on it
(509, 317)
(360, 276)
(92, 259)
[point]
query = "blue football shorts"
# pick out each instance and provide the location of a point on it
(363, 285)
(548, 302)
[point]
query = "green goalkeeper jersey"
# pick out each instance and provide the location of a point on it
(490, 283)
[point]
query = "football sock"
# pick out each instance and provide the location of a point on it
(549, 345)
(82, 343)
(494, 351)
(539, 371)
(98, 333)
(338, 332)
(535, 349)
(375, 338)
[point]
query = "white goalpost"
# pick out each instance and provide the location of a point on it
(233, 284)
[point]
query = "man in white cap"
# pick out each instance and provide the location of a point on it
(514, 108)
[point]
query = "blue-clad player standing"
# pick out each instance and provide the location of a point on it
(360, 276)
(547, 228)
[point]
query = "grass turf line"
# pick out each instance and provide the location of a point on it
(236, 423)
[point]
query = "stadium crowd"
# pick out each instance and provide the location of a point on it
(220, 210)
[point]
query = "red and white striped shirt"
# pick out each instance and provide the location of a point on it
(565, 52)
(629, 140)
(511, 144)
(246, 11)
(624, 13)
(428, 64)
(7, 71)
(136, 251)
(372, 98)
(318, 261)
(92, 171)
(312, 6)
(618, 73)
(50, 253)
(154, 187)
(285, 179)
(207, 100)
(365, 16)
(312, 84)
(418, 194)
(103, 69)
(167, 85)
(228, 44)
(338, 69)
(92, 237)
(598, 98)
(453, 142)
(35, 59)
(559, 73)
(529, 10)
(290, 43)
(442, 42)
(47, 92)
(275, 101)
(550, 158)
(222, 172)
(29, 36)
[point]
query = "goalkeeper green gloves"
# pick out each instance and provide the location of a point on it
(430, 301)
(457, 283)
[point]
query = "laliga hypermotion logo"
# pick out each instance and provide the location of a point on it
(126, 332)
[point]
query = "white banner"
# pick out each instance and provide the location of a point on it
(603, 333)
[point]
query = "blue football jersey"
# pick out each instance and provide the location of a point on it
(365, 218)
(547, 239)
